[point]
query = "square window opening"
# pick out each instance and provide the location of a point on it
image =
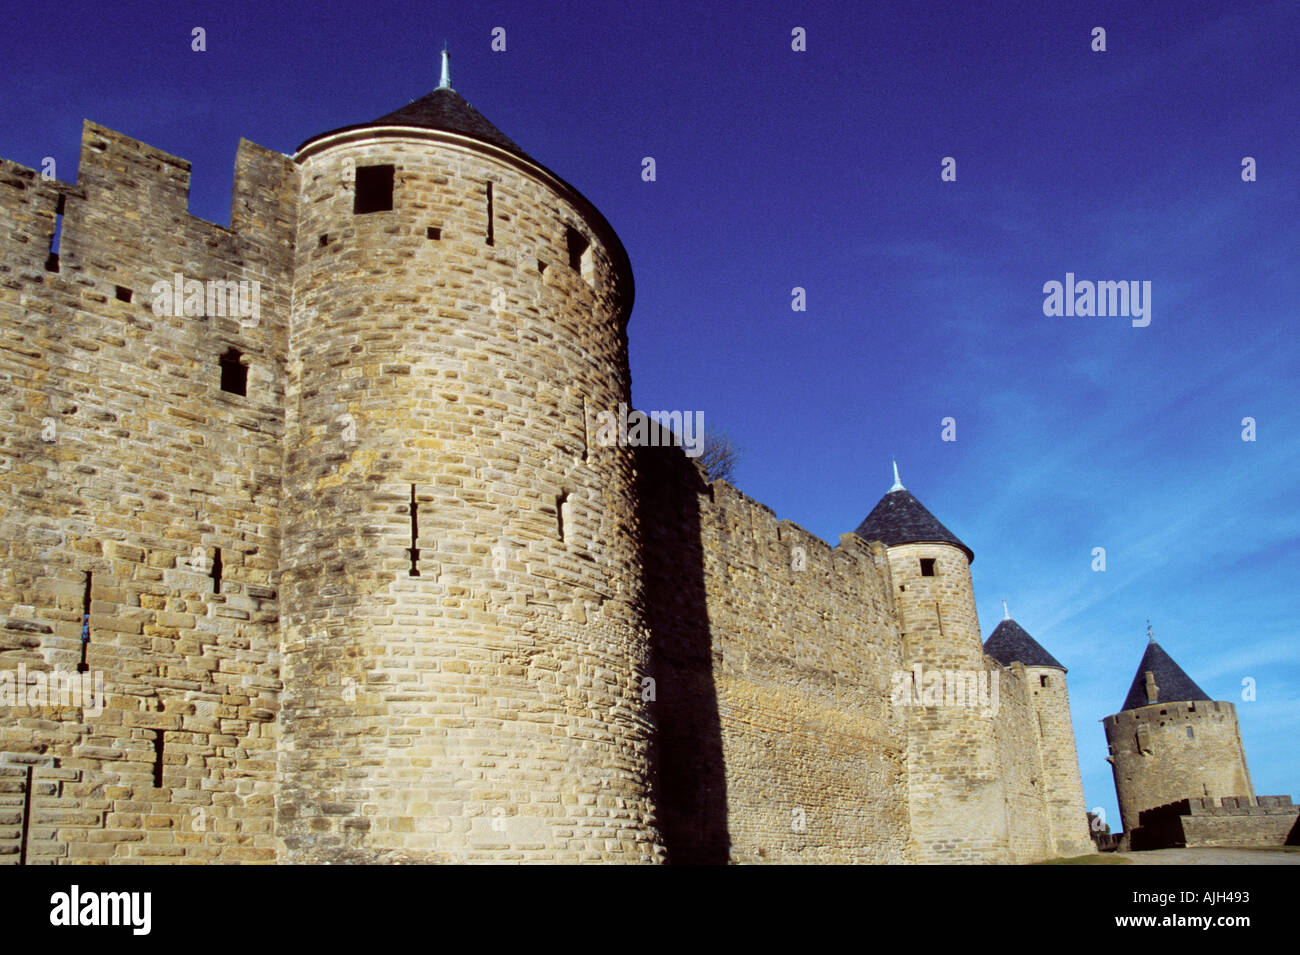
(374, 189)
(577, 245)
(234, 373)
(927, 566)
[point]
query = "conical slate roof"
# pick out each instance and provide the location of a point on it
(443, 109)
(900, 518)
(1009, 643)
(1172, 684)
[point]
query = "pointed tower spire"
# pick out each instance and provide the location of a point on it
(1006, 614)
(445, 82)
(898, 484)
(899, 518)
(1160, 680)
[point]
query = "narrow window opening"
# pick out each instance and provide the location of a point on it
(123, 294)
(1189, 733)
(158, 759)
(415, 534)
(562, 514)
(1042, 680)
(374, 189)
(585, 437)
(927, 566)
(216, 571)
(27, 817)
(234, 373)
(491, 226)
(82, 667)
(577, 245)
(52, 260)
(324, 239)
(434, 233)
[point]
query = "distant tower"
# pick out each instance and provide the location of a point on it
(956, 798)
(1062, 785)
(1170, 741)
(464, 638)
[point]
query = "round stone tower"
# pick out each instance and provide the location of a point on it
(1049, 696)
(955, 793)
(1170, 741)
(464, 634)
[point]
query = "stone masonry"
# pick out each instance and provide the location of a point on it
(362, 586)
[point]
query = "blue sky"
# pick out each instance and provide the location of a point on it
(820, 169)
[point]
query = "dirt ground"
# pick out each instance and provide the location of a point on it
(1204, 856)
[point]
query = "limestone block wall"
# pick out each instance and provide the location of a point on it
(599, 656)
(1229, 821)
(1062, 784)
(1170, 751)
(1021, 766)
(773, 659)
(124, 468)
(955, 789)
(447, 350)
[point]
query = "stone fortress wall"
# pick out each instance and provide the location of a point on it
(600, 656)
(124, 469)
(779, 733)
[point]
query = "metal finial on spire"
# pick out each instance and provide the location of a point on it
(898, 484)
(445, 82)
(1006, 614)
(1151, 637)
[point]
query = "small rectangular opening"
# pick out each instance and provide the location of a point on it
(158, 759)
(374, 189)
(123, 294)
(216, 570)
(491, 230)
(1042, 679)
(541, 267)
(1189, 733)
(434, 233)
(577, 245)
(927, 566)
(234, 373)
(324, 240)
(52, 260)
(561, 513)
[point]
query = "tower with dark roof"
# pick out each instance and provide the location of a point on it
(1170, 741)
(1044, 680)
(461, 580)
(955, 791)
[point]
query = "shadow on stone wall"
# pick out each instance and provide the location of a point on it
(690, 778)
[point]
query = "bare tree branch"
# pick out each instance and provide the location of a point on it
(720, 456)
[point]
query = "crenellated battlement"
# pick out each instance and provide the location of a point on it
(1183, 711)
